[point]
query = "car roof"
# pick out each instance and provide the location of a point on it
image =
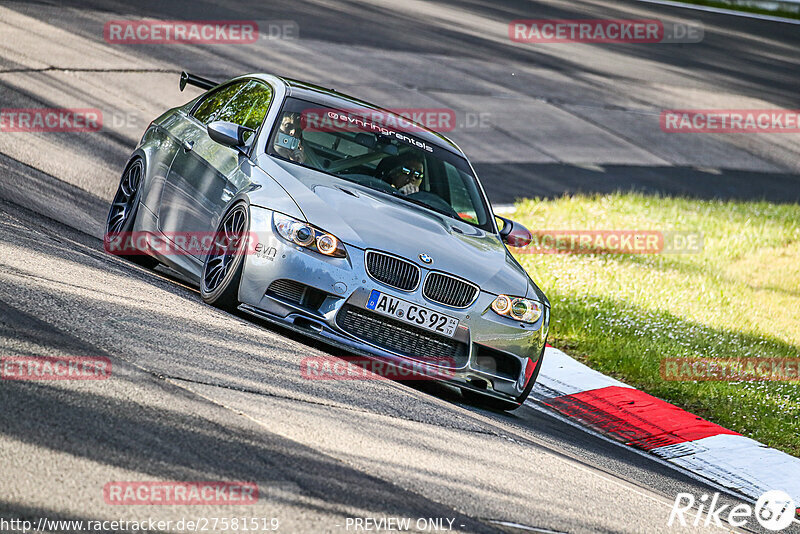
(334, 99)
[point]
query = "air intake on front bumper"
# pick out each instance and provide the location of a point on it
(402, 338)
(288, 290)
(392, 271)
(297, 293)
(449, 290)
(496, 362)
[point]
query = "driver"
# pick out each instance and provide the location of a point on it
(289, 140)
(406, 174)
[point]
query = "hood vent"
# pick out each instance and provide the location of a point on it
(351, 193)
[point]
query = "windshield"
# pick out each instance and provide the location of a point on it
(376, 150)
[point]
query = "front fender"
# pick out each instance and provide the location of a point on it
(267, 193)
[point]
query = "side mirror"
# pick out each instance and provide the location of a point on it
(514, 234)
(228, 133)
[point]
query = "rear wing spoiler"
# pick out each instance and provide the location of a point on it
(197, 81)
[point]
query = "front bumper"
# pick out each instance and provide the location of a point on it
(495, 354)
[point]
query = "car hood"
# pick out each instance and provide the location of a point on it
(367, 219)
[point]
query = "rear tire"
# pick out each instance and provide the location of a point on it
(222, 269)
(122, 214)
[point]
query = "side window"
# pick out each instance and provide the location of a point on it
(213, 103)
(248, 107)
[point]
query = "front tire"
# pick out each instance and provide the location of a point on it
(222, 269)
(122, 214)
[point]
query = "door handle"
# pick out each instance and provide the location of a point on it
(188, 146)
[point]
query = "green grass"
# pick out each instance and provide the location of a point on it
(739, 297)
(747, 9)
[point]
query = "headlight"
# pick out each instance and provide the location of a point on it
(307, 236)
(518, 308)
(327, 244)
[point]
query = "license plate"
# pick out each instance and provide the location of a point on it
(412, 313)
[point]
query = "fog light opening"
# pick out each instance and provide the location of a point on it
(478, 383)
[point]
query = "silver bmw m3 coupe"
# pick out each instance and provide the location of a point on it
(339, 219)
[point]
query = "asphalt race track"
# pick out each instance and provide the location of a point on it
(199, 394)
